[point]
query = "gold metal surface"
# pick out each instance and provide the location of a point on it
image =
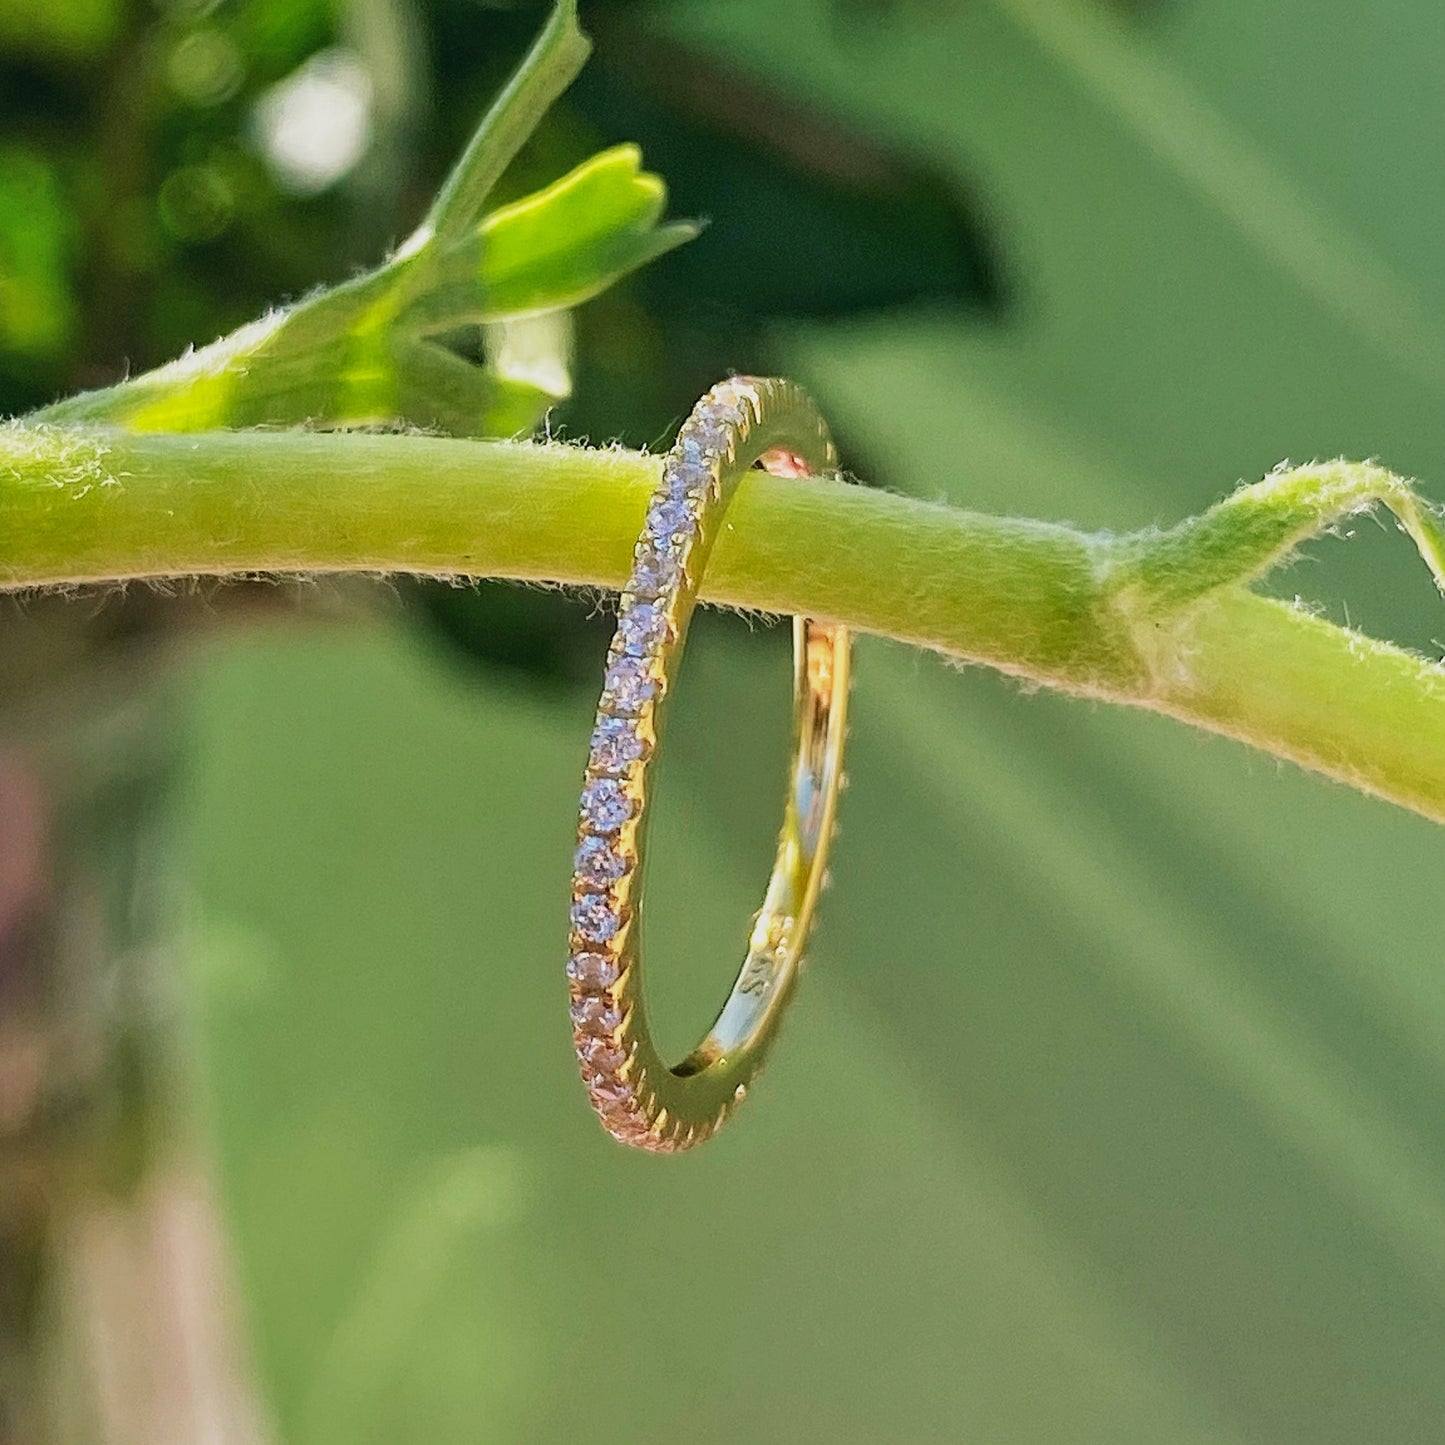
(641, 1100)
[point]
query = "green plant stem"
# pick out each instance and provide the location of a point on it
(1100, 616)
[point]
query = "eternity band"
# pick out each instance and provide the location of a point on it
(641, 1100)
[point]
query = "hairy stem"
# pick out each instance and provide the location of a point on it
(1160, 620)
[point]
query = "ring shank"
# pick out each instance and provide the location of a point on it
(820, 690)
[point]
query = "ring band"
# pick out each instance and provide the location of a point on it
(639, 1098)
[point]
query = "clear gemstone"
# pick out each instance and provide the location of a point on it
(596, 864)
(629, 684)
(596, 1016)
(593, 970)
(601, 1055)
(705, 434)
(672, 522)
(688, 479)
(642, 628)
(610, 1091)
(623, 1124)
(605, 805)
(724, 407)
(615, 744)
(654, 571)
(620, 1115)
(594, 919)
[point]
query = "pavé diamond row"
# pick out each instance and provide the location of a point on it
(641, 1100)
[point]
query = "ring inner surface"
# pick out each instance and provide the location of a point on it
(775, 947)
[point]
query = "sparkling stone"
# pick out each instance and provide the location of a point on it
(624, 1126)
(596, 864)
(642, 628)
(601, 1055)
(593, 970)
(654, 571)
(705, 434)
(596, 1016)
(725, 408)
(689, 450)
(672, 522)
(629, 684)
(685, 480)
(609, 1090)
(615, 745)
(594, 919)
(620, 1116)
(605, 805)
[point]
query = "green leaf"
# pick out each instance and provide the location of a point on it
(556, 248)
(369, 352)
(551, 65)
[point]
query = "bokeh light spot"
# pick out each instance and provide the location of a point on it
(196, 203)
(205, 67)
(315, 125)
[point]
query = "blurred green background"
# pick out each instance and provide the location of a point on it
(1110, 1110)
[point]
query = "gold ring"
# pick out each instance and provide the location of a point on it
(640, 1099)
